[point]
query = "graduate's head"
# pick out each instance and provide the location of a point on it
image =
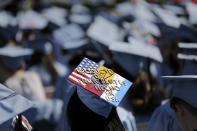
(184, 100)
(185, 113)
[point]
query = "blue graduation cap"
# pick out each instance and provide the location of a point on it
(12, 56)
(188, 48)
(8, 33)
(188, 53)
(94, 103)
(42, 45)
(11, 104)
(133, 56)
(55, 15)
(184, 87)
(70, 36)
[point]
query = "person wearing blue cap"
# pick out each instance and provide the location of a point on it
(25, 83)
(176, 113)
(11, 107)
(28, 84)
(184, 101)
(96, 114)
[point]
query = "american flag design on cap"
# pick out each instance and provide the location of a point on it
(100, 80)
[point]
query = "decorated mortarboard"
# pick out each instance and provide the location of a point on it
(184, 87)
(55, 15)
(104, 31)
(101, 81)
(70, 36)
(31, 20)
(12, 56)
(11, 104)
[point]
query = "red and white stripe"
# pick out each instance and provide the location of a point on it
(76, 77)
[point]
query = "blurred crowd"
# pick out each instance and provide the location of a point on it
(42, 41)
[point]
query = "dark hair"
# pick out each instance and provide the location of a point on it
(177, 101)
(82, 118)
(145, 95)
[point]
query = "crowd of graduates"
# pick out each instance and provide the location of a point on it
(43, 41)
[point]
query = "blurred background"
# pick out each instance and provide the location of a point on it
(140, 40)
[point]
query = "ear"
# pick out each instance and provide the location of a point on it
(180, 110)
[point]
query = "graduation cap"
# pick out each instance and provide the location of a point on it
(80, 14)
(136, 47)
(112, 92)
(167, 17)
(184, 87)
(12, 104)
(142, 11)
(55, 15)
(79, 9)
(7, 19)
(189, 55)
(104, 31)
(133, 56)
(31, 20)
(188, 51)
(94, 103)
(43, 46)
(187, 45)
(70, 36)
(12, 56)
(147, 27)
(82, 19)
(124, 8)
(187, 32)
(177, 10)
(191, 9)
